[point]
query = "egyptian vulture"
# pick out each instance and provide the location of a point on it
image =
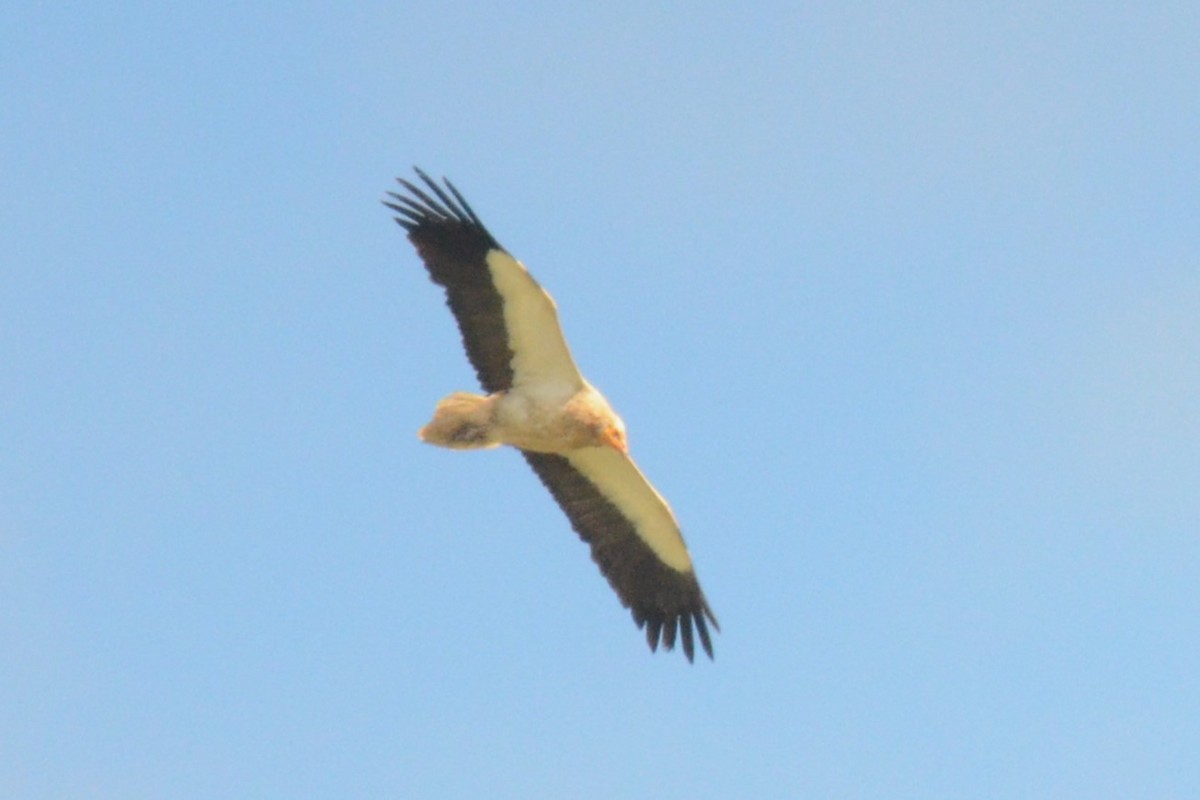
(538, 402)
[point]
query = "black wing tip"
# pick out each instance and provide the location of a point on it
(686, 625)
(432, 206)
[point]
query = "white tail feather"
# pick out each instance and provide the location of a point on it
(461, 421)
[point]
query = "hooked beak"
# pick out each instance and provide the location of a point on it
(613, 438)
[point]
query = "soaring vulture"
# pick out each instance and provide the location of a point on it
(538, 402)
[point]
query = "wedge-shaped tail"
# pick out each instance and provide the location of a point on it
(461, 421)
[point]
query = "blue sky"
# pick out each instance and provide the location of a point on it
(900, 306)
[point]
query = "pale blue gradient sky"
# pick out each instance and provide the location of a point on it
(900, 306)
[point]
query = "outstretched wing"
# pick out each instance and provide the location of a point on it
(634, 539)
(509, 324)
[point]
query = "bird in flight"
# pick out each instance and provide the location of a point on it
(538, 402)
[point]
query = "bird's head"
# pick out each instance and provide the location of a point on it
(602, 426)
(613, 435)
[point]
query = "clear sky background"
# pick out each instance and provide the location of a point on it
(901, 306)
